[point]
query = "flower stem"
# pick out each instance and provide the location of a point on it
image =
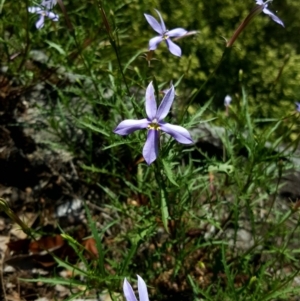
(255, 11)
(27, 47)
(113, 43)
(226, 51)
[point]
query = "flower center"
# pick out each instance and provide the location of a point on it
(153, 125)
(165, 35)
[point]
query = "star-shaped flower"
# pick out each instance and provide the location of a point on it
(43, 13)
(155, 123)
(164, 34)
(268, 12)
(142, 288)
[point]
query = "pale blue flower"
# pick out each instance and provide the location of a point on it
(155, 123)
(297, 106)
(164, 34)
(142, 288)
(43, 12)
(227, 100)
(268, 12)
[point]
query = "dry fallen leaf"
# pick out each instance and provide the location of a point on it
(3, 245)
(46, 243)
(19, 246)
(90, 245)
(42, 251)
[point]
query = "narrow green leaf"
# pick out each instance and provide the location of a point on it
(196, 289)
(229, 276)
(98, 238)
(56, 46)
(120, 143)
(132, 59)
(94, 128)
(54, 281)
(1, 5)
(78, 294)
(164, 210)
(69, 266)
(168, 172)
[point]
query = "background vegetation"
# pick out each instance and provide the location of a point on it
(204, 222)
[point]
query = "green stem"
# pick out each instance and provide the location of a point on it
(227, 50)
(162, 194)
(113, 43)
(24, 58)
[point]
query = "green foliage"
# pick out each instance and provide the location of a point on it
(180, 223)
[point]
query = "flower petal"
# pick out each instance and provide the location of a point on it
(177, 32)
(48, 4)
(273, 16)
(40, 22)
(150, 150)
(128, 291)
(143, 292)
(154, 24)
(179, 133)
(34, 9)
(174, 49)
(154, 42)
(151, 107)
(259, 2)
(52, 16)
(165, 104)
(130, 125)
(163, 26)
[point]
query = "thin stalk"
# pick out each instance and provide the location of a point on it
(262, 239)
(78, 46)
(162, 192)
(255, 11)
(205, 83)
(113, 43)
(24, 58)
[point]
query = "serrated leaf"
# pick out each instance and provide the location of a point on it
(119, 143)
(223, 167)
(54, 281)
(94, 128)
(69, 266)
